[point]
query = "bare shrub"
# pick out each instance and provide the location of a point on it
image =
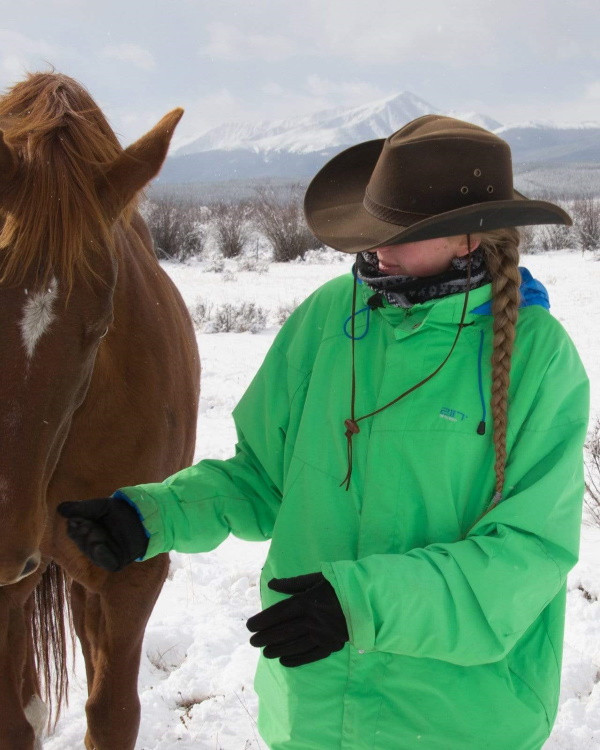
(200, 313)
(252, 263)
(324, 256)
(546, 237)
(228, 275)
(284, 311)
(231, 227)
(238, 318)
(227, 318)
(281, 220)
(215, 265)
(176, 227)
(586, 221)
(553, 237)
(592, 474)
(528, 240)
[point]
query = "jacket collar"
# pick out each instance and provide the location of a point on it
(448, 310)
(533, 292)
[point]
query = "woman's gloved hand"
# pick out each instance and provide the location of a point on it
(308, 626)
(108, 530)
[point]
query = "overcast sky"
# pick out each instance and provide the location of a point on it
(224, 60)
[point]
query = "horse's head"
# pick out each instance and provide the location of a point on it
(64, 187)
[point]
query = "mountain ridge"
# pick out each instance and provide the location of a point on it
(296, 148)
(323, 129)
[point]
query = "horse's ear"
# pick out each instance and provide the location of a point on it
(8, 162)
(139, 163)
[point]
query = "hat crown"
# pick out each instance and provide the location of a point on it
(435, 177)
(436, 164)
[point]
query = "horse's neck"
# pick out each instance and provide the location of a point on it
(136, 256)
(145, 297)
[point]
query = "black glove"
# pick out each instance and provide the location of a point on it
(308, 626)
(108, 530)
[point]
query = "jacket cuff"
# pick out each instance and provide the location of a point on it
(149, 508)
(361, 628)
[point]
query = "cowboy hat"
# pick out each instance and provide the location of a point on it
(435, 177)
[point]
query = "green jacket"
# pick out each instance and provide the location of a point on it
(455, 644)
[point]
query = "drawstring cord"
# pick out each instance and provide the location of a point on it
(351, 427)
(366, 309)
(481, 427)
(351, 424)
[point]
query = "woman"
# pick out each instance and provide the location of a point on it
(413, 446)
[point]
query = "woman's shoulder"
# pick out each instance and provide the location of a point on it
(546, 345)
(333, 296)
(539, 324)
(318, 317)
(333, 291)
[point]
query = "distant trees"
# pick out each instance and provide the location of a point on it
(231, 225)
(181, 227)
(273, 216)
(280, 218)
(586, 223)
(592, 473)
(176, 227)
(584, 235)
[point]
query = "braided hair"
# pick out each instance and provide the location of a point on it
(501, 248)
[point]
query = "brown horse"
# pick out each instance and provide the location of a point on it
(99, 377)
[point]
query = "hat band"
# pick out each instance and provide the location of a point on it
(391, 215)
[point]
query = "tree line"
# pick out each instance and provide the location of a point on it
(180, 226)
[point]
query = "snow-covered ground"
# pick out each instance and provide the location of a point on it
(197, 666)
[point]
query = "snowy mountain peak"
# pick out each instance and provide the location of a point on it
(330, 128)
(475, 118)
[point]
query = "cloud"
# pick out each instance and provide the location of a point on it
(272, 89)
(347, 93)
(20, 53)
(318, 93)
(433, 31)
(202, 114)
(273, 60)
(282, 102)
(131, 53)
(463, 33)
(12, 66)
(14, 41)
(592, 91)
(228, 42)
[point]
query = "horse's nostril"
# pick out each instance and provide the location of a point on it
(30, 565)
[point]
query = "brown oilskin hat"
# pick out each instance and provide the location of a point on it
(435, 177)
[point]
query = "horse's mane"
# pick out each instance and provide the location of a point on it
(53, 219)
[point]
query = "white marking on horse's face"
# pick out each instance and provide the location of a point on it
(38, 314)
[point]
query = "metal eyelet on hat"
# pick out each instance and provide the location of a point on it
(464, 190)
(490, 188)
(477, 173)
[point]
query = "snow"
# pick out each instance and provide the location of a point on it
(323, 129)
(329, 128)
(475, 118)
(197, 667)
(547, 125)
(341, 126)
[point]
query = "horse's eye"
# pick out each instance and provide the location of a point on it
(93, 333)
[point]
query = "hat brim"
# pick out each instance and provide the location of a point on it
(335, 213)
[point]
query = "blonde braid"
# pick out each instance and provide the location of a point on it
(501, 250)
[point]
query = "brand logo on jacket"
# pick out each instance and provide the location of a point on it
(452, 415)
